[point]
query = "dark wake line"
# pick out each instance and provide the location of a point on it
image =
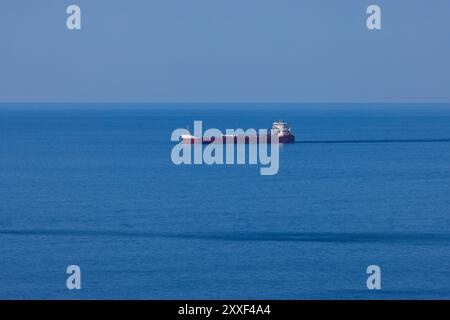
(330, 237)
(377, 141)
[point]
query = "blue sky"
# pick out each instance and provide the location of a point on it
(224, 51)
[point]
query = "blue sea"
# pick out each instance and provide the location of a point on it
(94, 185)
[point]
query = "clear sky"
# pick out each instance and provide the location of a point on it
(225, 51)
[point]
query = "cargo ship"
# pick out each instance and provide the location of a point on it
(280, 129)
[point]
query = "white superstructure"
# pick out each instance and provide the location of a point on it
(281, 128)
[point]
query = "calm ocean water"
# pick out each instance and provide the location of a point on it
(94, 185)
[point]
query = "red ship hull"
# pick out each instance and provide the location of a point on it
(241, 139)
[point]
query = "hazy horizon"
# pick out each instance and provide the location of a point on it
(225, 51)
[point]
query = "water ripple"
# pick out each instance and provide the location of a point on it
(378, 141)
(330, 237)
